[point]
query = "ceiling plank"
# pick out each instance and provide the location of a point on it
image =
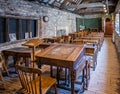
(117, 7)
(90, 5)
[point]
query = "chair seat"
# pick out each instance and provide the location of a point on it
(46, 83)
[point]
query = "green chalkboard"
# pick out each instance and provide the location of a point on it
(89, 23)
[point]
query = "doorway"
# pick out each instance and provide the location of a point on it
(108, 27)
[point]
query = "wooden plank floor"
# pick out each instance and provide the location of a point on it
(104, 80)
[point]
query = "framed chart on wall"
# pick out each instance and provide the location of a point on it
(12, 36)
(28, 35)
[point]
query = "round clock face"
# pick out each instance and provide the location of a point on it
(45, 18)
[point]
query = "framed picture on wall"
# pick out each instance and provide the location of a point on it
(12, 36)
(26, 35)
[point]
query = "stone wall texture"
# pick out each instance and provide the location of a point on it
(57, 18)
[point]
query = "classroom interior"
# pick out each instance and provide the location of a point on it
(59, 47)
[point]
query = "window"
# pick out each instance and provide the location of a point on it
(117, 23)
(17, 28)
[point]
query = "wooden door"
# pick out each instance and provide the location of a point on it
(109, 28)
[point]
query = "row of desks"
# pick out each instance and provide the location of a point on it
(60, 55)
(69, 56)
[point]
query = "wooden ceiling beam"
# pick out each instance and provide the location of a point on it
(65, 2)
(117, 7)
(90, 5)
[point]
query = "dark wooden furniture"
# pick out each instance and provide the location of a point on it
(17, 53)
(33, 43)
(73, 35)
(91, 51)
(25, 53)
(64, 55)
(2, 63)
(93, 43)
(94, 29)
(35, 84)
(50, 40)
(2, 66)
(93, 39)
(78, 41)
(66, 38)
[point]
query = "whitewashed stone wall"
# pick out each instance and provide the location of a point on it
(26, 8)
(117, 41)
(57, 18)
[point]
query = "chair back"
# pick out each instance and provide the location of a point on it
(30, 80)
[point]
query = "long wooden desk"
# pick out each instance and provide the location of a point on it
(64, 55)
(93, 38)
(24, 52)
(17, 53)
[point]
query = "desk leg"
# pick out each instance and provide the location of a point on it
(72, 81)
(6, 64)
(51, 71)
(16, 62)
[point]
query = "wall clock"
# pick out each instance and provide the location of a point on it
(45, 18)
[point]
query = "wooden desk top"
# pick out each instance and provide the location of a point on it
(20, 51)
(59, 53)
(90, 41)
(33, 42)
(17, 50)
(86, 41)
(65, 52)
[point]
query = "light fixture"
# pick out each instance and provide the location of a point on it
(104, 6)
(106, 13)
(105, 10)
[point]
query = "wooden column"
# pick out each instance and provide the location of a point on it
(28, 27)
(7, 30)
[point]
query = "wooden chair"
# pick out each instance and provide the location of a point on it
(35, 84)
